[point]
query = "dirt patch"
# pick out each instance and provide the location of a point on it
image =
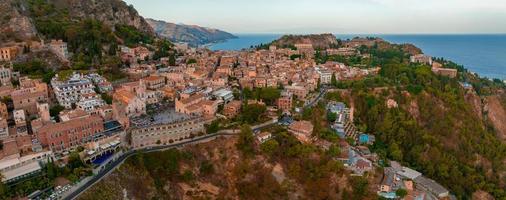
(473, 99)
(278, 173)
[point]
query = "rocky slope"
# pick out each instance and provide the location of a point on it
(322, 41)
(191, 34)
(217, 170)
(497, 114)
(14, 24)
(17, 16)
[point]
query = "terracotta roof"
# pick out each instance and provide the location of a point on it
(153, 78)
(191, 98)
(124, 96)
(302, 126)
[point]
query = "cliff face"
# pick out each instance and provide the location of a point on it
(17, 22)
(322, 41)
(193, 35)
(109, 12)
(14, 25)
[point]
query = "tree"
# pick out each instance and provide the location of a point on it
(55, 110)
(245, 142)
(333, 80)
(206, 168)
(253, 113)
(172, 60)
(401, 193)
(270, 146)
(213, 127)
(3, 188)
(334, 151)
(107, 98)
(269, 95)
(331, 117)
(395, 151)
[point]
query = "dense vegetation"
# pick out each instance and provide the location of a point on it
(73, 171)
(434, 130)
(93, 44)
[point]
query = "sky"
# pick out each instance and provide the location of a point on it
(333, 16)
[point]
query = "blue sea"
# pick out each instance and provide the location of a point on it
(483, 54)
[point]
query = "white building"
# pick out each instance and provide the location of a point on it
(17, 168)
(421, 58)
(225, 95)
(4, 128)
(325, 75)
(5, 75)
(70, 91)
(90, 103)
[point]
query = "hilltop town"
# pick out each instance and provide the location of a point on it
(113, 111)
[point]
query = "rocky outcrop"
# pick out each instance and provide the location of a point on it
(110, 12)
(14, 25)
(496, 113)
(191, 34)
(322, 41)
(17, 24)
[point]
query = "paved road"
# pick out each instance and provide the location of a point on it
(322, 93)
(111, 166)
(116, 163)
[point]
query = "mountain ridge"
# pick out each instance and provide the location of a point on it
(192, 34)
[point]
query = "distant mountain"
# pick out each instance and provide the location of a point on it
(191, 34)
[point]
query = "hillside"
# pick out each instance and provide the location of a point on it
(439, 128)
(191, 34)
(321, 41)
(92, 29)
(24, 19)
(218, 170)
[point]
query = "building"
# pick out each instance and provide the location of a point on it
(232, 109)
(43, 111)
(299, 91)
(70, 91)
(90, 103)
(263, 137)
(302, 130)
(59, 48)
(4, 128)
(4, 113)
(72, 132)
(102, 83)
(5, 75)
(18, 168)
(163, 132)
(285, 101)
(20, 121)
(8, 53)
(197, 105)
(154, 82)
(126, 104)
(430, 186)
(366, 139)
(302, 47)
(224, 95)
(342, 51)
(325, 76)
(421, 58)
(452, 73)
(358, 164)
(29, 93)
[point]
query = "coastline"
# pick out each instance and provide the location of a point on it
(479, 53)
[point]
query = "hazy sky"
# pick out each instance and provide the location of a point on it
(336, 16)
